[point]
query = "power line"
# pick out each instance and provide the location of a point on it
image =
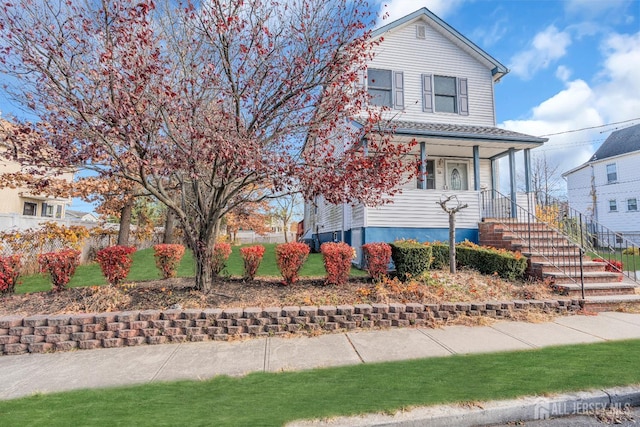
(588, 128)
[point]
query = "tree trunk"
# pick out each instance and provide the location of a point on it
(204, 273)
(286, 235)
(125, 223)
(169, 228)
(452, 242)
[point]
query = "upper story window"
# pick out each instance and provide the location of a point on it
(445, 94)
(386, 87)
(30, 209)
(613, 206)
(612, 173)
(632, 205)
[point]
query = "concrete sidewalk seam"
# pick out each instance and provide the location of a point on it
(532, 345)
(446, 347)
(267, 350)
(354, 348)
(173, 353)
(618, 319)
(584, 332)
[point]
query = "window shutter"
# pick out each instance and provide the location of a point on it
(398, 90)
(463, 97)
(427, 94)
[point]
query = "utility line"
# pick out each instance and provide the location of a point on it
(588, 128)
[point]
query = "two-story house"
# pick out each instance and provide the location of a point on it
(439, 88)
(607, 187)
(21, 207)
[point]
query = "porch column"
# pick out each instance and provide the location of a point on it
(423, 166)
(527, 170)
(476, 168)
(512, 182)
(494, 174)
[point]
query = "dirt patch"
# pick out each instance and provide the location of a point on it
(438, 286)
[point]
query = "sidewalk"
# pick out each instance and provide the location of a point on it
(31, 373)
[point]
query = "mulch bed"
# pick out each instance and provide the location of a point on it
(465, 286)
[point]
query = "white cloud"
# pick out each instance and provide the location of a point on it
(612, 96)
(399, 8)
(563, 73)
(491, 35)
(547, 46)
(595, 7)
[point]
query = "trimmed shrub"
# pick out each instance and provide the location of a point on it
(410, 258)
(252, 257)
(631, 251)
(115, 263)
(221, 252)
(60, 265)
(337, 259)
(439, 255)
(290, 257)
(612, 265)
(9, 273)
(508, 265)
(168, 258)
(376, 259)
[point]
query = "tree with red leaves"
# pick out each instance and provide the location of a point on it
(198, 102)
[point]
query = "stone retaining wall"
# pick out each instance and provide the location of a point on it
(44, 333)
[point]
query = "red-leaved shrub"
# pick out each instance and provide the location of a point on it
(290, 257)
(168, 258)
(376, 259)
(337, 262)
(60, 265)
(115, 262)
(252, 256)
(9, 273)
(611, 265)
(221, 252)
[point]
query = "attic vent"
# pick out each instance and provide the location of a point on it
(421, 32)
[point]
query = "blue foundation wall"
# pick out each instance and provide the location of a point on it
(390, 234)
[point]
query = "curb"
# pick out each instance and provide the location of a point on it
(497, 412)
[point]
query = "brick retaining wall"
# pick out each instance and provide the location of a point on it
(45, 333)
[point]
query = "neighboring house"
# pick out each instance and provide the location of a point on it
(607, 187)
(439, 87)
(20, 207)
(81, 216)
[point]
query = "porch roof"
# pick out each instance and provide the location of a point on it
(443, 138)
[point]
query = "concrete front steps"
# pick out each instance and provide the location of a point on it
(556, 260)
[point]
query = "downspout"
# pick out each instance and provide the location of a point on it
(594, 195)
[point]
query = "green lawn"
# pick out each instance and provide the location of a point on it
(272, 399)
(144, 268)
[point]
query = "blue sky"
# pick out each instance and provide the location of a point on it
(574, 64)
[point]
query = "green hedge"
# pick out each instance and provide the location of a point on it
(508, 265)
(410, 258)
(439, 255)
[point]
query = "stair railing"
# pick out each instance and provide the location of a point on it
(601, 243)
(537, 232)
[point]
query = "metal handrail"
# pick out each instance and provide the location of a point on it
(545, 241)
(597, 239)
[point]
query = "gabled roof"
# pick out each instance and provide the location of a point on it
(622, 141)
(498, 69)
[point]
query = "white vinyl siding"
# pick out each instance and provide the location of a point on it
(436, 55)
(419, 209)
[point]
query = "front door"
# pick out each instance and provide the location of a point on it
(457, 178)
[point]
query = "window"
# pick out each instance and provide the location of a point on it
(632, 205)
(613, 206)
(444, 94)
(612, 174)
(59, 211)
(47, 210)
(386, 87)
(444, 90)
(30, 209)
(429, 179)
